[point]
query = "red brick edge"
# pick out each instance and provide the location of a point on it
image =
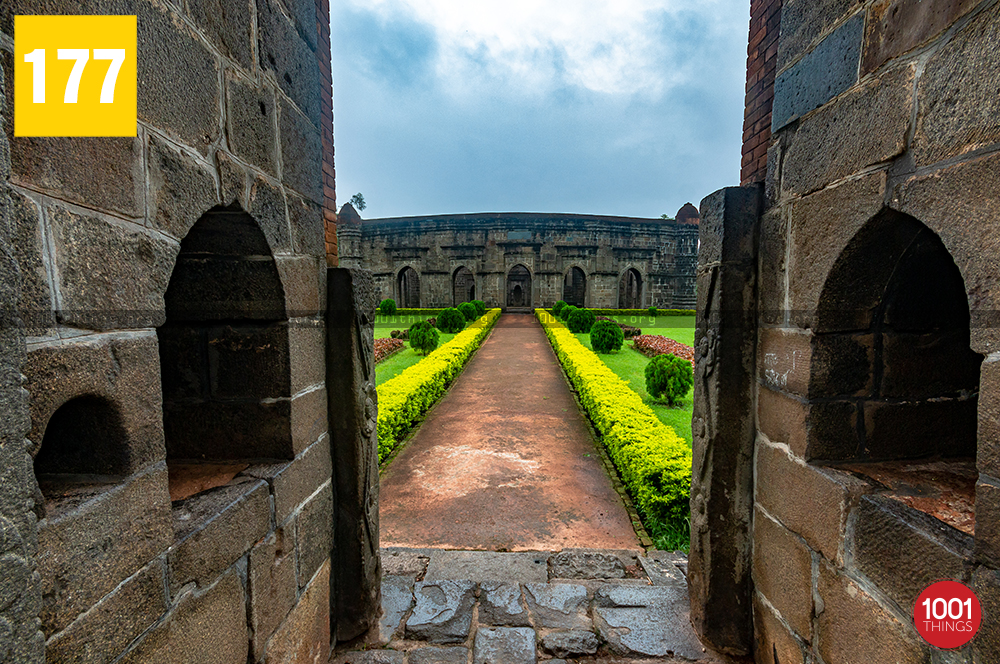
(323, 56)
(762, 58)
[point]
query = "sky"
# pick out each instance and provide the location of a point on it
(617, 107)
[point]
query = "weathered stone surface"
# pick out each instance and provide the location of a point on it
(306, 219)
(89, 550)
(842, 365)
(314, 535)
(772, 268)
(302, 278)
(646, 621)
(234, 429)
(570, 643)
(434, 655)
(510, 645)
(774, 643)
(181, 189)
(959, 108)
(500, 604)
(488, 566)
(723, 419)
(110, 275)
(820, 75)
(802, 21)
(250, 124)
(897, 26)
(352, 399)
(212, 530)
(785, 359)
(272, 586)
(443, 613)
(928, 365)
(36, 307)
(267, 207)
(206, 627)
(783, 419)
(304, 637)
(284, 55)
(561, 605)
(405, 562)
(782, 572)
(306, 339)
(397, 598)
(986, 645)
(987, 540)
(169, 51)
(374, 657)
(227, 24)
(906, 430)
(300, 154)
(662, 568)
(853, 627)
(308, 418)
(988, 452)
(232, 181)
(294, 482)
(866, 126)
(586, 565)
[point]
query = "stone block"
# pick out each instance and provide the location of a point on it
(285, 56)
(267, 207)
(227, 24)
(397, 600)
(205, 627)
(811, 502)
(644, 621)
(435, 655)
(833, 431)
(304, 13)
(443, 613)
(583, 564)
(774, 642)
(902, 551)
(783, 419)
(988, 521)
(236, 430)
(314, 535)
(103, 632)
(854, 627)
(306, 342)
(375, 657)
(291, 483)
(302, 278)
(301, 154)
(570, 643)
(214, 529)
(986, 645)
(842, 365)
(866, 126)
(208, 288)
(988, 451)
(247, 362)
(558, 605)
(782, 573)
(958, 107)
(785, 359)
(404, 562)
(178, 78)
(250, 123)
(272, 586)
(87, 551)
(232, 181)
(308, 418)
(771, 271)
(916, 429)
(181, 189)
(308, 229)
(36, 306)
(897, 26)
(489, 566)
(304, 637)
(500, 604)
(664, 568)
(802, 21)
(111, 276)
(511, 645)
(924, 366)
(821, 74)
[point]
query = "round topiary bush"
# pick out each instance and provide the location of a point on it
(480, 307)
(606, 336)
(652, 311)
(557, 307)
(566, 311)
(450, 320)
(387, 307)
(581, 320)
(668, 378)
(468, 310)
(423, 337)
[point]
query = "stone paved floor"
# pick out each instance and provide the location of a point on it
(505, 461)
(576, 605)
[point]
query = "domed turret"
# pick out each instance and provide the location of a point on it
(688, 214)
(348, 215)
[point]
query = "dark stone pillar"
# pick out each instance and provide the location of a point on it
(350, 381)
(723, 420)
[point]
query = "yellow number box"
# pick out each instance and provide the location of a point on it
(75, 76)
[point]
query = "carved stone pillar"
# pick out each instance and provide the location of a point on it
(350, 381)
(723, 420)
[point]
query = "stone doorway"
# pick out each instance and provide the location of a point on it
(630, 290)
(519, 287)
(408, 288)
(575, 287)
(463, 286)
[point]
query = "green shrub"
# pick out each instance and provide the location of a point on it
(652, 311)
(581, 320)
(668, 378)
(387, 307)
(450, 320)
(480, 307)
(606, 336)
(566, 311)
(468, 310)
(424, 339)
(558, 306)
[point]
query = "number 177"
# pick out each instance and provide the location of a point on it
(81, 55)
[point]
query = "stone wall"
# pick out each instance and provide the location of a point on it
(182, 270)
(437, 248)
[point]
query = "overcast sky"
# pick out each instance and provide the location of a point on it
(621, 107)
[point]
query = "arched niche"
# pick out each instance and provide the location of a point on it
(463, 286)
(630, 289)
(575, 287)
(408, 288)
(519, 287)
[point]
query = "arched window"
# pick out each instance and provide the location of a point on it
(463, 286)
(408, 288)
(575, 287)
(84, 437)
(519, 287)
(630, 290)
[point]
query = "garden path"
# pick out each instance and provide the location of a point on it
(505, 461)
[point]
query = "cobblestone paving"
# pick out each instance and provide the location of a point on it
(577, 605)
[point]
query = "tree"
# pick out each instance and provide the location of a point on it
(668, 378)
(358, 201)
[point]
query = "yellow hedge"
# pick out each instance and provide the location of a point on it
(653, 461)
(406, 397)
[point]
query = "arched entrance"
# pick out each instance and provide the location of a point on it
(519, 287)
(630, 290)
(575, 287)
(408, 288)
(463, 286)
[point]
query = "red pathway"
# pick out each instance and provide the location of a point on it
(505, 461)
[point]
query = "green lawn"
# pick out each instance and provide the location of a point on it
(394, 365)
(678, 328)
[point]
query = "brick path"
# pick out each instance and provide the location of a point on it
(505, 462)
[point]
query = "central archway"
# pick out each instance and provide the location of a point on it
(463, 286)
(408, 288)
(630, 290)
(519, 287)
(575, 287)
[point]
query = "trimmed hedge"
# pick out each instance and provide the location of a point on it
(654, 463)
(403, 399)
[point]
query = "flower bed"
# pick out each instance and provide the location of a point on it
(403, 399)
(653, 461)
(653, 344)
(386, 347)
